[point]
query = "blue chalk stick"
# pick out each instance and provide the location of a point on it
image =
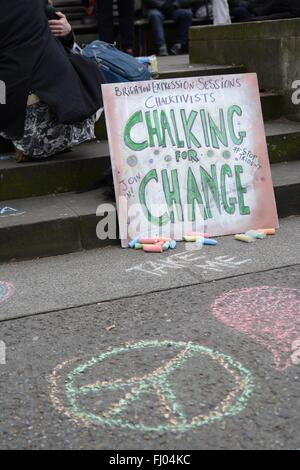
(173, 244)
(210, 241)
(133, 242)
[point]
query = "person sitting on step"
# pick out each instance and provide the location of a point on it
(159, 10)
(52, 95)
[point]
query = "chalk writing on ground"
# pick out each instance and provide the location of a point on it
(10, 212)
(92, 393)
(6, 291)
(269, 315)
(179, 261)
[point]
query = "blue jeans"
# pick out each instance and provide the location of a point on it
(181, 16)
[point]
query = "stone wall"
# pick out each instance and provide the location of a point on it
(269, 48)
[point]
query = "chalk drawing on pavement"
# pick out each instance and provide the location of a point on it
(121, 402)
(269, 315)
(7, 211)
(6, 291)
(188, 259)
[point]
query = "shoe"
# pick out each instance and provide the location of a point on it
(163, 51)
(176, 49)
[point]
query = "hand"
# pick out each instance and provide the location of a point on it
(60, 27)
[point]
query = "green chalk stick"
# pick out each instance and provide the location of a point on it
(138, 246)
(255, 234)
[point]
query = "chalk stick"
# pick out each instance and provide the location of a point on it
(198, 235)
(148, 241)
(189, 239)
(242, 237)
(205, 241)
(138, 246)
(267, 231)
(166, 246)
(210, 241)
(256, 234)
(200, 242)
(165, 239)
(133, 242)
(153, 248)
(173, 244)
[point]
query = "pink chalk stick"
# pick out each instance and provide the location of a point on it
(153, 248)
(198, 234)
(148, 241)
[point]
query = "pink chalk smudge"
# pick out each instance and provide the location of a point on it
(7, 289)
(269, 315)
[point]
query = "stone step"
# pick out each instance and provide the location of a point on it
(85, 165)
(65, 223)
(283, 139)
(71, 171)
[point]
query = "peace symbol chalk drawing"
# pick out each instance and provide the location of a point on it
(6, 290)
(119, 402)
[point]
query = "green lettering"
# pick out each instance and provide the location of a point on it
(229, 206)
(244, 210)
(153, 131)
(165, 126)
(205, 127)
(187, 127)
(136, 118)
(163, 219)
(172, 195)
(218, 133)
(237, 140)
(179, 143)
(210, 182)
(194, 195)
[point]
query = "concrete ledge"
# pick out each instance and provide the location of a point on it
(254, 30)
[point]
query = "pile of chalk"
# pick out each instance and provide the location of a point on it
(253, 235)
(153, 245)
(161, 244)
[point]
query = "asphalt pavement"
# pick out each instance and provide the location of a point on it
(200, 356)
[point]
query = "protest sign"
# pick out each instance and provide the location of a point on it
(189, 154)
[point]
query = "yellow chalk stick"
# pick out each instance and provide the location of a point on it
(242, 237)
(188, 238)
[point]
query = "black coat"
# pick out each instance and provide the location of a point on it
(32, 60)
